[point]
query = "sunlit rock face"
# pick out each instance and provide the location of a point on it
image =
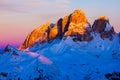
(102, 26)
(35, 35)
(78, 23)
(54, 31)
(78, 16)
(74, 25)
(70, 24)
(79, 28)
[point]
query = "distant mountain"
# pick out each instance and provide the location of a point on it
(71, 49)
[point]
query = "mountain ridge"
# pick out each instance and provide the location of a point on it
(65, 51)
(74, 24)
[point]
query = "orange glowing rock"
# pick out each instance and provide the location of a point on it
(53, 32)
(73, 29)
(103, 18)
(35, 35)
(25, 44)
(78, 23)
(78, 16)
(69, 25)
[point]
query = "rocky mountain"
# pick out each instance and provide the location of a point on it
(103, 27)
(69, 25)
(35, 35)
(70, 49)
(75, 25)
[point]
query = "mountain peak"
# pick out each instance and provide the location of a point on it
(78, 16)
(70, 49)
(101, 24)
(78, 23)
(103, 18)
(75, 25)
(63, 26)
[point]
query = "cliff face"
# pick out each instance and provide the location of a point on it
(100, 24)
(75, 25)
(34, 35)
(103, 27)
(78, 23)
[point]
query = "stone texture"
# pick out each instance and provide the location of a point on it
(78, 16)
(59, 26)
(69, 25)
(78, 23)
(35, 35)
(75, 25)
(99, 25)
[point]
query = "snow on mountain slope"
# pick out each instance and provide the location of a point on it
(23, 66)
(71, 49)
(63, 60)
(108, 27)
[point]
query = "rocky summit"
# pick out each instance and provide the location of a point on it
(103, 27)
(75, 25)
(70, 49)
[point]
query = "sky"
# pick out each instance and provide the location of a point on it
(20, 17)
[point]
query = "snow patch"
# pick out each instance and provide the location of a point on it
(45, 60)
(108, 27)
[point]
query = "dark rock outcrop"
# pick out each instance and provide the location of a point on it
(67, 24)
(59, 25)
(103, 27)
(100, 24)
(7, 48)
(15, 53)
(108, 34)
(113, 76)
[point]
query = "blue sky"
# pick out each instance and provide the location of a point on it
(19, 17)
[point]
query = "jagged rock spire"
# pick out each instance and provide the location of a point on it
(74, 24)
(69, 25)
(78, 23)
(102, 26)
(78, 16)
